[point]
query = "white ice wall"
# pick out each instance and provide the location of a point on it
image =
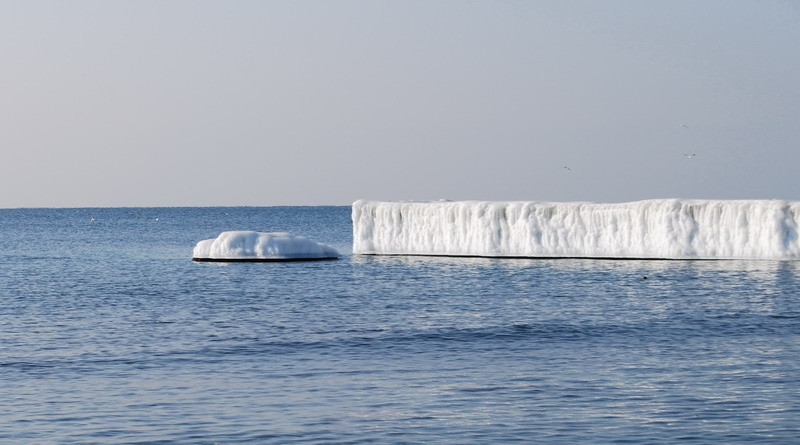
(660, 228)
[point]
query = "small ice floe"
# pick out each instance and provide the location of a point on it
(260, 246)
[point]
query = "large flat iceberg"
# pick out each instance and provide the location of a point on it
(659, 228)
(259, 246)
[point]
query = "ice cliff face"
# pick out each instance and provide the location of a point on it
(660, 228)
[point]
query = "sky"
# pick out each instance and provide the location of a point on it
(258, 103)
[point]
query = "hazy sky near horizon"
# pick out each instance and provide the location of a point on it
(183, 103)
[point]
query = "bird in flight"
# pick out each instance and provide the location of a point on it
(567, 168)
(690, 155)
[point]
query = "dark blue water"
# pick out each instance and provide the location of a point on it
(109, 333)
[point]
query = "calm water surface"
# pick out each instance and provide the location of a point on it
(109, 333)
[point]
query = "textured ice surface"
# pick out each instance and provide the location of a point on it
(248, 245)
(659, 228)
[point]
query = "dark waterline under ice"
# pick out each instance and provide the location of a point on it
(110, 333)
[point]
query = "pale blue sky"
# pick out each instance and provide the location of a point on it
(173, 103)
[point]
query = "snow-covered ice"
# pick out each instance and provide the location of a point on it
(659, 228)
(259, 246)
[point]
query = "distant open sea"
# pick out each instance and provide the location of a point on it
(109, 333)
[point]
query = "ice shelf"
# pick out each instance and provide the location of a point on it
(659, 228)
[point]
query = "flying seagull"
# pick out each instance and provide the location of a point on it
(689, 155)
(685, 126)
(567, 168)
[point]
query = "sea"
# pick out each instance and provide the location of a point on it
(110, 333)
